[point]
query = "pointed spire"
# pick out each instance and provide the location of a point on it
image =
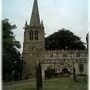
(42, 23)
(35, 20)
(26, 23)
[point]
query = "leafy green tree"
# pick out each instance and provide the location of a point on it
(63, 39)
(12, 62)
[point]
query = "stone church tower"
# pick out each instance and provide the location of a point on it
(33, 46)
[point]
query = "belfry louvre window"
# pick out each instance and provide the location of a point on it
(36, 35)
(31, 35)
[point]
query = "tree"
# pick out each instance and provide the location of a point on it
(63, 39)
(12, 62)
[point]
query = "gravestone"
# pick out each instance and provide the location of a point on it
(38, 77)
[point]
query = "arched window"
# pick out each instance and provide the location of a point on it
(51, 54)
(64, 55)
(78, 54)
(36, 35)
(81, 68)
(31, 35)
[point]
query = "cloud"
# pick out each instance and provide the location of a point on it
(56, 14)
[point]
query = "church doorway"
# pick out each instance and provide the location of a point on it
(65, 72)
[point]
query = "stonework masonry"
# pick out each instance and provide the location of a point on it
(34, 51)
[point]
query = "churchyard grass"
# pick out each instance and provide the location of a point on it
(64, 83)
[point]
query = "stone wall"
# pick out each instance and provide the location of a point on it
(60, 59)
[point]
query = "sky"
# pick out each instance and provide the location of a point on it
(56, 14)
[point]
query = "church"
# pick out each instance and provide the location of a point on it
(62, 61)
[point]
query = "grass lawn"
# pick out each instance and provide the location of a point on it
(52, 84)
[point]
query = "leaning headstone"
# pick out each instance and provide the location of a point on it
(38, 77)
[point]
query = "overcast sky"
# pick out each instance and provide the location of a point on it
(56, 14)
